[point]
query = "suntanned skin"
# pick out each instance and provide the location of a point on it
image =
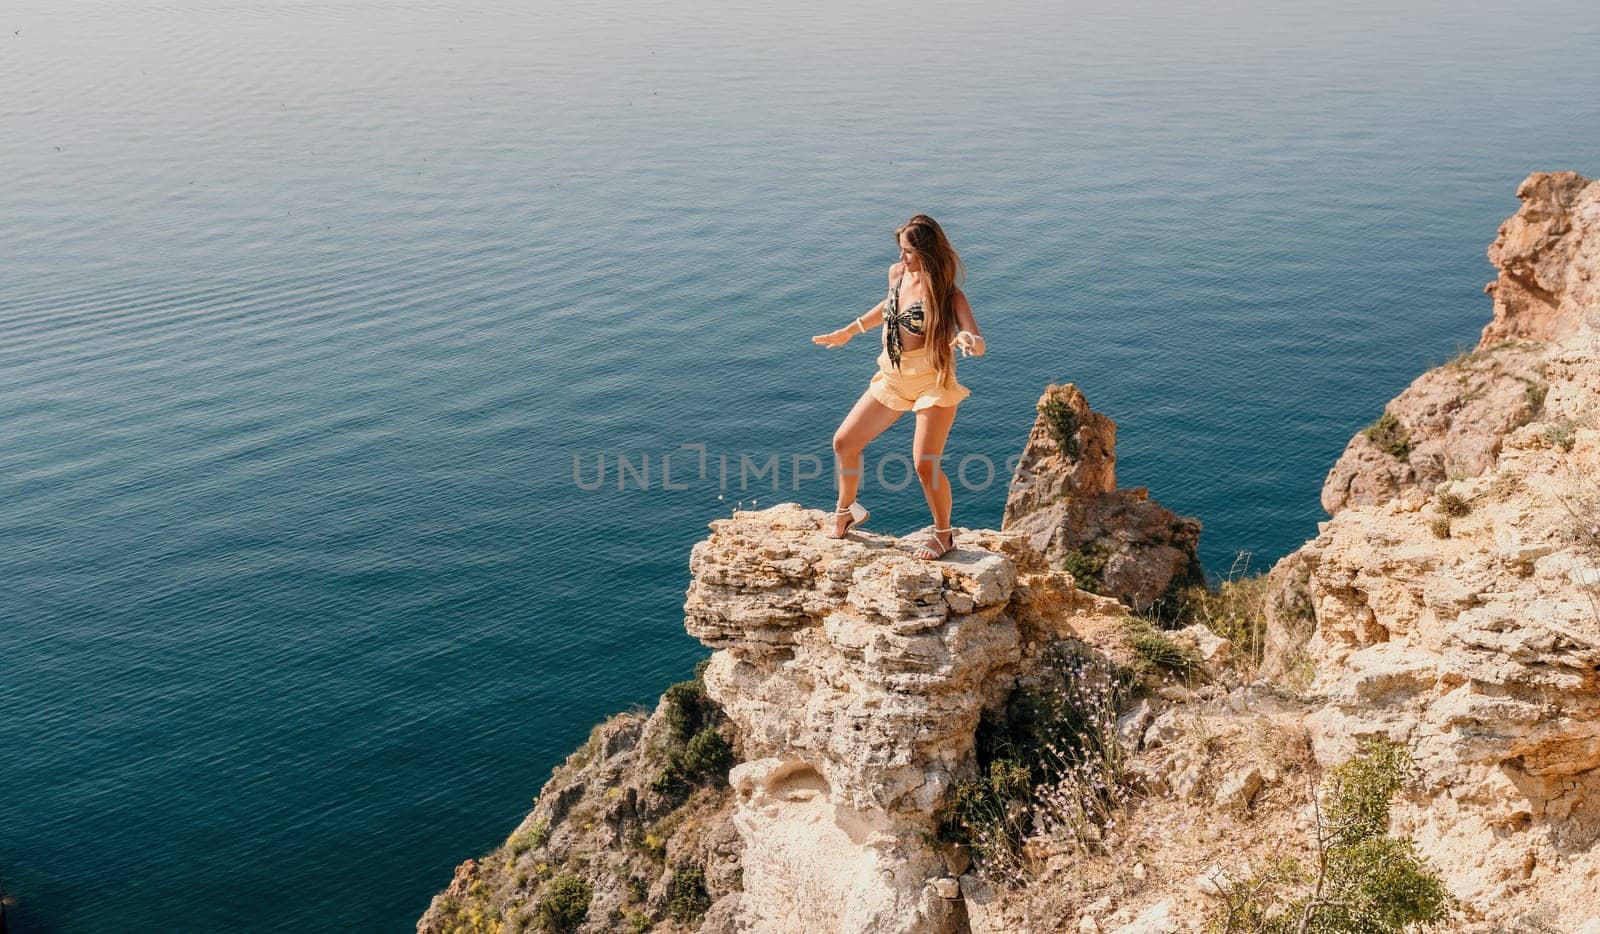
(869, 417)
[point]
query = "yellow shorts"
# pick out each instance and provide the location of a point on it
(913, 387)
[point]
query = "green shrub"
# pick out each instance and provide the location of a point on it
(688, 709)
(1363, 882)
(1048, 761)
(533, 837)
(670, 781)
(1062, 424)
(1236, 611)
(1085, 568)
(1388, 435)
(650, 842)
(639, 922)
(1157, 649)
(1535, 393)
(1561, 433)
(988, 813)
(565, 903)
(687, 898)
(708, 756)
(1440, 526)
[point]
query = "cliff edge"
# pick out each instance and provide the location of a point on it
(864, 713)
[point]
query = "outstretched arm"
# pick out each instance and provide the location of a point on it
(862, 324)
(968, 339)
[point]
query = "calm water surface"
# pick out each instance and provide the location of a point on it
(307, 307)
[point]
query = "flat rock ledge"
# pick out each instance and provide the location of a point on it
(856, 675)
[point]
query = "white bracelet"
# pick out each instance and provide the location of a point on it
(857, 323)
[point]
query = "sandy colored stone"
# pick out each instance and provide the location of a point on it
(1066, 500)
(856, 676)
(1546, 253)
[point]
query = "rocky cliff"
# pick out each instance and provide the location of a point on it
(857, 675)
(1457, 588)
(856, 697)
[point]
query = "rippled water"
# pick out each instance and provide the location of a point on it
(307, 307)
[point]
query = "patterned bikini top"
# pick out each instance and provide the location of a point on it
(894, 316)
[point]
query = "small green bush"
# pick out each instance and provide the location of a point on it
(670, 781)
(1561, 433)
(565, 903)
(639, 922)
(986, 813)
(1388, 435)
(1440, 526)
(1535, 393)
(688, 709)
(1364, 882)
(651, 843)
(1157, 649)
(1085, 568)
(1236, 611)
(533, 837)
(687, 898)
(1048, 762)
(708, 756)
(1062, 424)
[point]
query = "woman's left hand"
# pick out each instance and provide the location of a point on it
(968, 343)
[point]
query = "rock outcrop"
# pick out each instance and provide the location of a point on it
(1450, 423)
(1467, 624)
(856, 676)
(1456, 592)
(1065, 498)
(1548, 255)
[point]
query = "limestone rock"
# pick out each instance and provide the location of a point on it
(1065, 499)
(1157, 919)
(1546, 254)
(1481, 650)
(1289, 617)
(1213, 649)
(1239, 789)
(1454, 419)
(856, 676)
(1214, 882)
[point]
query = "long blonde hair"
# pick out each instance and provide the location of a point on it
(942, 271)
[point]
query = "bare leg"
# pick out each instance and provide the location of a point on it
(927, 448)
(866, 421)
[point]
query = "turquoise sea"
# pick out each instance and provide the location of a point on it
(307, 308)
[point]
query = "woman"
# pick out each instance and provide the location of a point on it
(924, 316)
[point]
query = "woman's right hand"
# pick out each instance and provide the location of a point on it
(834, 338)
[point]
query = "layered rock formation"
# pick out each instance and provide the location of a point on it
(1466, 624)
(856, 676)
(1457, 603)
(1548, 254)
(1065, 498)
(1451, 421)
